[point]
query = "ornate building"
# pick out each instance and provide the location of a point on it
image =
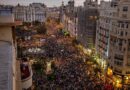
(113, 39)
(33, 12)
(69, 18)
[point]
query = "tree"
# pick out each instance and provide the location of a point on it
(37, 66)
(42, 29)
(36, 23)
(75, 41)
(57, 21)
(48, 19)
(40, 65)
(26, 23)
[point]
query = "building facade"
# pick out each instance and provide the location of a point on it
(68, 16)
(87, 17)
(31, 13)
(104, 25)
(9, 67)
(53, 12)
(113, 38)
(120, 39)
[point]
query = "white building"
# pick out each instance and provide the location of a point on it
(104, 25)
(53, 12)
(69, 18)
(120, 39)
(33, 12)
(113, 38)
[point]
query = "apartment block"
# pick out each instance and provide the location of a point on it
(113, 38)
(87, 18)
(69, 18)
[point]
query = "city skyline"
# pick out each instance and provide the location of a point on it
(49, 3)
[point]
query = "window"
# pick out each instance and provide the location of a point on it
(124, 41)
(127, 26)
(121, 33)
(128, 72)
(126, 33)
(118, 24)
(118, 57)
(125, 8)
(129, 42)
(122, 25)
(124, 49)
(118, 63)
(129, 45)
(124, 16)
(129, 48)
(117, 70)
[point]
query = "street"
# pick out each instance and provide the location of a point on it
(58, 64)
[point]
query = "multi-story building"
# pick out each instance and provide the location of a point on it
(31, 13)
(10, 73)
(113, 38)
(10, 78)
(62, 12)
(87, 17)
(120, 39)
(53, 12)
(104, 25)
(69, 18)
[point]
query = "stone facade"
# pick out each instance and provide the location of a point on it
(68, 16)
(31, 13)
(113, 37)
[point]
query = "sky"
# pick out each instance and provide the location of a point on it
(49, 3)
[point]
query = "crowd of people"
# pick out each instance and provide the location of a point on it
(71, 74)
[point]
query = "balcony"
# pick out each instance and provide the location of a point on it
(26, 75)
(118, 63)
(128, 64)
(117, 70)
(112, 33)
(118, 58)
(18, 76)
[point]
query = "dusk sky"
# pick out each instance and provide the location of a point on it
(47, 2)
